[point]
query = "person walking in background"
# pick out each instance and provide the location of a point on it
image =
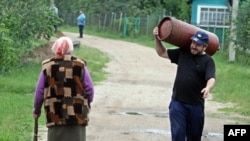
(66, 89)
(81, 19)
(56, 14)
(194, 80)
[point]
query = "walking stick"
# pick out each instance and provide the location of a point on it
(35, 129)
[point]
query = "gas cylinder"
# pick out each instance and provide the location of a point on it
(178, 33)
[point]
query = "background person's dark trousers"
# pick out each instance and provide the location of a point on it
(81, 27)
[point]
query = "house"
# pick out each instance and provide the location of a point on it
(211, 15)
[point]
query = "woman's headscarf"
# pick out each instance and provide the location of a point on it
(62, 46)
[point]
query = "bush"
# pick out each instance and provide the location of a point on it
(22, 22)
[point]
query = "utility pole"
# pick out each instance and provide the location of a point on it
(235, 6)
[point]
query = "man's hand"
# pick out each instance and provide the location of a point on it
(156, 31)
(205, 92)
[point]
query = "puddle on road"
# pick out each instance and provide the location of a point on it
(154, 131)
(168, 133)
(158, 114)
(212, 134)
(132, 113)
(165, 132)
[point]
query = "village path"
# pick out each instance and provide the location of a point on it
(132, 104)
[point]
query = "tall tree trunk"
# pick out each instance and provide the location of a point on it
(233, 33)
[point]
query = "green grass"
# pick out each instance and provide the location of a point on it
(96, 61)
(17, 92)
(232, 84)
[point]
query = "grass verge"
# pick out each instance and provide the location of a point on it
(17, 92)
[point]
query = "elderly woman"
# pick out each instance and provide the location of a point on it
(65, 89)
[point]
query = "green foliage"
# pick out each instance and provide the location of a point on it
(8, 54)
(148, 7)
(185, 13)
(22, 22)
(132, 18)
(243, 33)
(132, 8)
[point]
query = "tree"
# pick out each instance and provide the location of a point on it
(241, 32)
(23, 21)
(185, 13)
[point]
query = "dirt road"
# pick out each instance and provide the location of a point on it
(132, 104)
